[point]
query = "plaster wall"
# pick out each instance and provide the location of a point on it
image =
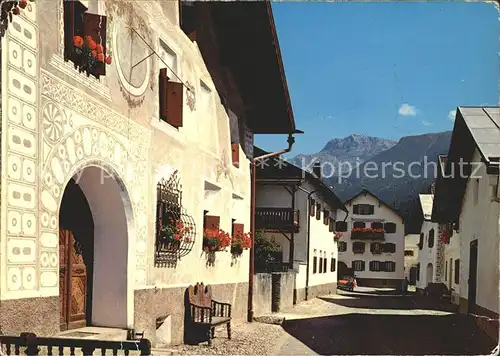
(382, 214)
(480, 219)
(411, 241)
(57, 121)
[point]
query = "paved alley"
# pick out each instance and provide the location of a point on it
(355, 323)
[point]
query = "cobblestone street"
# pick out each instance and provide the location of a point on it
(355, 324)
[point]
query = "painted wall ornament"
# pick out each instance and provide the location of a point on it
(191, 97)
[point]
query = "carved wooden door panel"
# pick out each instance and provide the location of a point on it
(77, 284)
(63, 278)
(72, 281)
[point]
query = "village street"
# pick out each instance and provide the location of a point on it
(354, 323)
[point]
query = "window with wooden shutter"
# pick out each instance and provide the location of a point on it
(390, 227)
(430, 242)
(358, 247)
(73, 25)
(377, 225)
(326, 214)
(389, 266)
(342, 247)
(235, 154)
(355, 209)
(421, 241)
(332, 264)
(238, 229)
(174, 102)
(341, 226)
(389, 247)
(95, 26)
(358, 225)
(331, 226)
(312, 207)
(321, 265)
(371, 209)
(358, 265)
(211, 222)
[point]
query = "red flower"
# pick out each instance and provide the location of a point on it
(92, 44)
(78, 41)
(23, 4)
(99, 48)
(88, 38)
(100, 57)
(16, 11)
(94, 53)
(108, 60)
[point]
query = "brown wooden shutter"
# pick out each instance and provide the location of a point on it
(95, 26)
(238, 229)
(326, 214)
(318, 211)
(162, 93)
(235, 152)
(331, 227)
(175, 103)
(211, 222)
(312, 207)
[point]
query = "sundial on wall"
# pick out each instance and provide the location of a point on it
(133, 66)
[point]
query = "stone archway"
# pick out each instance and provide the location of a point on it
(109, 285)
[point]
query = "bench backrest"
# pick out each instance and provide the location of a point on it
(200, 295)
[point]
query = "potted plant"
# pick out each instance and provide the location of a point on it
(173, 231)
(240, 242)
(215, 240)
(87, 54)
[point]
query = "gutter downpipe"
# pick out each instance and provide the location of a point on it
(309, 194)
(251, 270)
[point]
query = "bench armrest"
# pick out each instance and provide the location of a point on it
(221, 309)
(200, 314)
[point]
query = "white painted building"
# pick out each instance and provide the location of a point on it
(470, 201)
(429, 245)
(92, 162)
(296, 209)
(411, 257)
(373, 241)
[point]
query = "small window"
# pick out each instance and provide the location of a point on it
(358, 225)
(326, 215)
(363, 209)
(341, 226)
(318, 211)
(408, 253)
(390, 266)
(315, 264)
(312, 207)
(358, 247)
(457, 271)
(390, 228)
(421, 241)
(376, 248)
(325, 265)
(358, 265)
(389, 247)
(333, 264)
(377, 225)
(418, 271)
(375, 266)
(331, 225)
(320, 262)
(342, 246)
(431, 239)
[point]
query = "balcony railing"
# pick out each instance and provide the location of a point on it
(367, 235)
(283, 219)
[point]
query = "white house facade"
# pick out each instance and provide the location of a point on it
(296, 209)
(470, 201)
(411, 257)
(95, 155)
(372, 242)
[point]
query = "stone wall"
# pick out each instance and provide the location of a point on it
(273, 292)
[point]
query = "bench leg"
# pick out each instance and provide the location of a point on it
(228, 325)
(209, 334)
(213, 333)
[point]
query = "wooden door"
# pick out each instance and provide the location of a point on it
(472, 277)
(73, 281)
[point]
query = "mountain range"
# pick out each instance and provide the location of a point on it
(396, 172)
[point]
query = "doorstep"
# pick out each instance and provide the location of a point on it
(95, 333)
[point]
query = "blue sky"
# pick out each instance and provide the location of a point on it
(386, 69)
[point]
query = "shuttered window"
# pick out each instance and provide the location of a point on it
(312, 207)
(342, 246)
(318, 211)
(326, 214)
(389, 247)
(358, 266)
(331, 225)
(211, 222)
(377, 225)
(341, 226)
(457, 271)
(430, 242)
(171, 99)
(358, 225)
(315, 264)
(390, 266)
(390, 227)
(358, 247)
(325, 264)
(333, 263)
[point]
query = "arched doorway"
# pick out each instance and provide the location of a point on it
(95, 223)
(429, 274)
(343, 270)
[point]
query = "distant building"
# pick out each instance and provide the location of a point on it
(373, 243)
(411, 257)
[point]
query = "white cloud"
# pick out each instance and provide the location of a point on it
(451, 114)
(407, 110)
(426, 123)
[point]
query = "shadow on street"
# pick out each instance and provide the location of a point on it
(408, 302)
(364, 334)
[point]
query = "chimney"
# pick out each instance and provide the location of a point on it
(317, 170)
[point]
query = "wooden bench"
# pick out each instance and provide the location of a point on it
(205, 313)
